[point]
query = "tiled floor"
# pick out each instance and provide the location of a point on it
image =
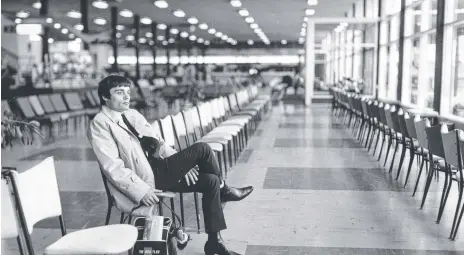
(317, 191)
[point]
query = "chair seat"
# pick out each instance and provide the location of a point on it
(232, 130)
(216, 146)
(112, 239)
(215, 139)
(240, 116)
(237, 122)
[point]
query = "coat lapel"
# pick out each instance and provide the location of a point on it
(118, 121)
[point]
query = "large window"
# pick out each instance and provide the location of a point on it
(457, 86)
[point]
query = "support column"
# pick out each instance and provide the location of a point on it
(399, 87)
(377, 57)
(114, 39)
(179, 47)
(439, 52)
(168, 55)
(43, 14)
(136, 40)
(153, 48)
(203, 53)
(85, 20)
(309, 61)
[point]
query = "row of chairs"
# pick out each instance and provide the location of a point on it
(225, 123)
(36, 194)
(56, 109)
(436, 143)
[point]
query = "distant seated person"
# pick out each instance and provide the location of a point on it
(121, 137)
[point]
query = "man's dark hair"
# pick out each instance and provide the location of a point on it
(109, 82)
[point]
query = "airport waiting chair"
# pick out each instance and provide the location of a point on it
(37, 195)
(10, 228)
(453, 144)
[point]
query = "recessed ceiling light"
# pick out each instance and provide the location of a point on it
(74, 14)
(142, 40)
(184, 34)
(203, 26)
(283, 42)
(171, 40)
(151, 43)
(22, 14)
(192, 37)
(179, 13)
(243, 12)
(224, 37)
(130, 38)
(149, 34)
(18, 20)
(37, 5)
(100, 4)
(235, 3)
(161, 26)
(200, 40)
(304, 25)
(64, 31)
(120, 27)
(160, 38)
(174, 31)
(165, 43)
(207, 42)
(310, 12)
(250, 42)
(99, 21)
(192, 20)
(78, 40)
(118, 35)
(254, 26)
(211, 30)
(126, 13)
(79, 27)
(301, 40)
(162, 4)
(50, 40)
(145, 20)
(305, 19)
(234, 43)
(218, 34)
(249, 19)
(312, 2)
(49, 20)
(71, 36)
(57, 25)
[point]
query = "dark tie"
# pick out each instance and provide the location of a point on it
(149, 144)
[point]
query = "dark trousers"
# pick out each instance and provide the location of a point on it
(170, 176)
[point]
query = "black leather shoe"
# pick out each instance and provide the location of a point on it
(234, 194)
(219, 248)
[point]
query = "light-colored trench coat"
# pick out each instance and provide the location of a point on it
(121, 157)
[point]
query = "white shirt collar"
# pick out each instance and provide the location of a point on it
(114, 115)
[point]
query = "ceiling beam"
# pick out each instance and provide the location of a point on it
(338, 20)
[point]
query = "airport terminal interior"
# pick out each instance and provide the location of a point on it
(346, 116)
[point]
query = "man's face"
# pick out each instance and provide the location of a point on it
(119, 99)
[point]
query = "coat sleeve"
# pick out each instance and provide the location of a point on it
(112, 165)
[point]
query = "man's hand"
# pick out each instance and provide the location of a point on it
(150, 198)
(191, 176)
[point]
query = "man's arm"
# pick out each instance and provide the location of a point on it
(107, 153)
(164, 150)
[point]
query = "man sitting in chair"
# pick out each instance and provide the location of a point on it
(134, 179)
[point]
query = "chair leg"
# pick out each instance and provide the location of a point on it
(394, 156)
(372, 138)
(411, 161)
(457, 221)
(182, 212)
(197, 209)
(444, 196)
(384, 138)
(419, 176)
(403, 153)
(20, 245)
(173, 210)
(390, 141)
(108, 214)
(122, 218)
(427, 185)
